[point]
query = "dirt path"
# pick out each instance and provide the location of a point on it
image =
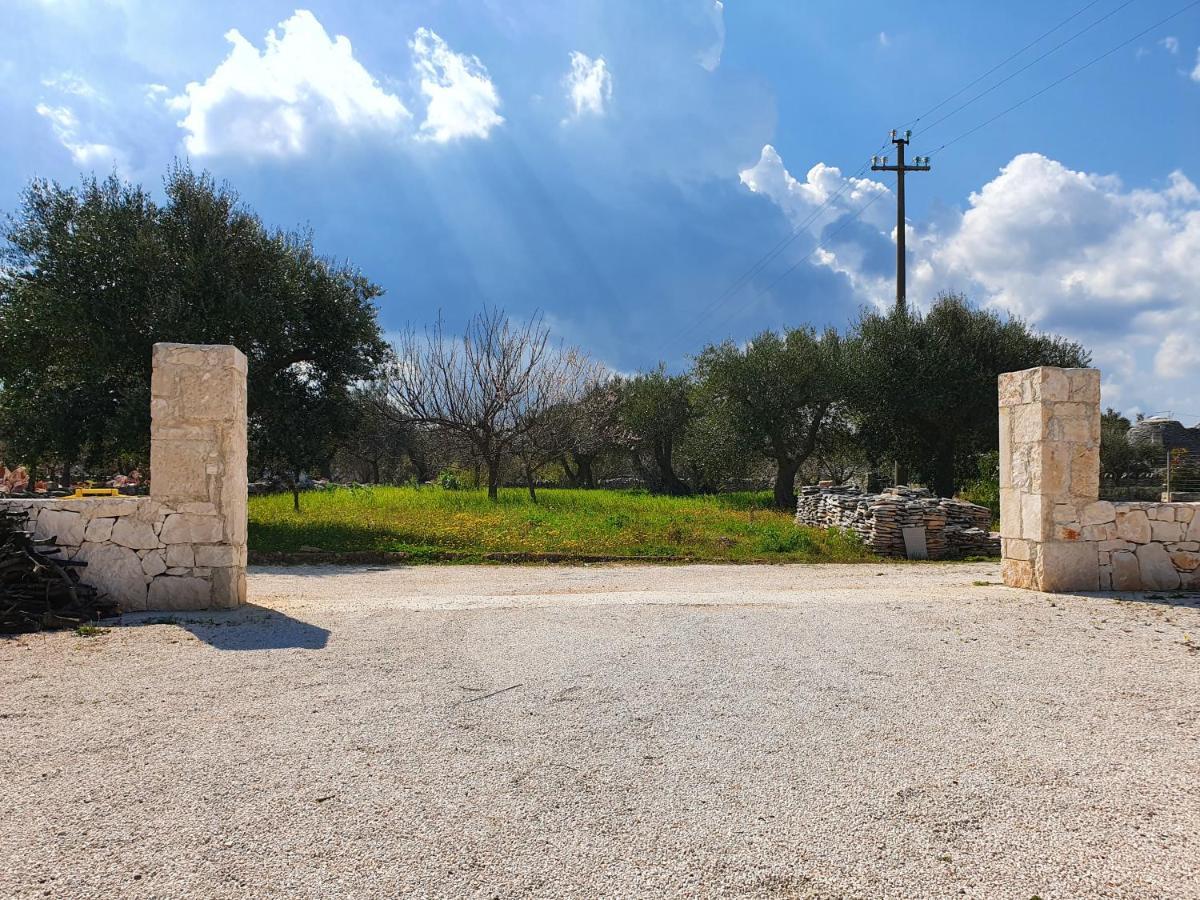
(823, 731)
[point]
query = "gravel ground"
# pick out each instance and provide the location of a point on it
(776, 731)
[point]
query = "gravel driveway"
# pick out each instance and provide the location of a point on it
(776, 731)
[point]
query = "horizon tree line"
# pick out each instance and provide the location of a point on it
(92, 276)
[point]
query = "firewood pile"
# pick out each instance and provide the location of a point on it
(953, 528)
(38, 590)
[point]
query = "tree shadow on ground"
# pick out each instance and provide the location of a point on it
(250, 627)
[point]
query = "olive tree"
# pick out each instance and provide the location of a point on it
(923, 388)
(94, 275)
(777, 392)
(655, 410)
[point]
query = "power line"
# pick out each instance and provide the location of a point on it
(821, 246)
(843, 225)
(742, 280)
(1069, 75)
(1025, 67)
(796, 231)
(1001, 64)
(770, 255)
(778, 248)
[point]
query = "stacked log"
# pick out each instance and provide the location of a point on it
(38, 590)
(953, 528)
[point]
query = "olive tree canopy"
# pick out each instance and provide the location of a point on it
(93, 276)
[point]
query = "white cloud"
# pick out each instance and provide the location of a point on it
(710, 57)
(1196, 71)
(589, 85)
(1179, 355)
(462, 99)
(1076, 252)
(824, 196)
(1171, 44)
(71, 83)
(1041, 238)
(270, 102)
(65, 125)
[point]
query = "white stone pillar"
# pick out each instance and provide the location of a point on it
(1049, 476)
(198, 467)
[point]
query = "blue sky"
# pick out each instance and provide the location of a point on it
(619, 165)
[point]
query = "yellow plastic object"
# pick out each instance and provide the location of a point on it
(80, 493)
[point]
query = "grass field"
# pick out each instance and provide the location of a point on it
(433, 524)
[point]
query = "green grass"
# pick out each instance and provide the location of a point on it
(433, 524)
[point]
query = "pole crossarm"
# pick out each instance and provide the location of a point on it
(881, 164)
(907, 168)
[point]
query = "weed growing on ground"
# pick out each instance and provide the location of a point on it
(90, 631)
(432, 524)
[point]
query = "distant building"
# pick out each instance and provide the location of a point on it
(1166, 433)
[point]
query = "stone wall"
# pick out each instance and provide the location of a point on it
(1057, 535)
(143, 553)
(1145, 546)
(953, 528)
(184, 546)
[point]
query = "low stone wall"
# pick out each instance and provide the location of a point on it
(184, 546)
(1057, 534)
(953, 528)
(1144, 546)
(142, 553)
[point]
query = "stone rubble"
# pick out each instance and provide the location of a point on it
(953, 528)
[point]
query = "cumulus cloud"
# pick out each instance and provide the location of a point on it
(271, 101)
(1072, 251)
(1170, 44)
(66, 127)
(1196, 71)
(462, 101)
(589, 85)
(823, 197)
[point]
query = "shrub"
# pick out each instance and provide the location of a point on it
(450, 480)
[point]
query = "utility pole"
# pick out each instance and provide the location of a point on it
(880, 164)
(900, 470)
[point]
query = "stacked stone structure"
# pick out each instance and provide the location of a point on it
(184, 546)
(953, 528)
(1057, 535)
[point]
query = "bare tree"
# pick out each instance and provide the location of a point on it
(550, 421)
(494, 386)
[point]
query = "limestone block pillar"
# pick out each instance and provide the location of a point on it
(198, 473)
(1049, 475)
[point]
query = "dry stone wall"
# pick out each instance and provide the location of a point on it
(184, 546)
(1145, 546)
(143, 553)
(953, 528)
(1056, 534)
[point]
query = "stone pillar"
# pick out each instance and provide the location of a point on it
(198, 462)
(1049, 476)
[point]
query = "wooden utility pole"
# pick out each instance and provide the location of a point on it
(880, 164)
